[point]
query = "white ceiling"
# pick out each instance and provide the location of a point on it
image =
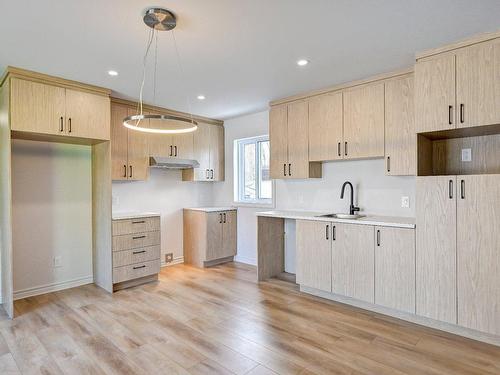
(239, 53)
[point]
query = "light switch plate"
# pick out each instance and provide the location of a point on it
(405, 202)
(169, 257)
(466, 154)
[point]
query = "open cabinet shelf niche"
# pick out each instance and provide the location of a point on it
(440, 153)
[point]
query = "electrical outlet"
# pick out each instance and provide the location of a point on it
(57, 261)
(169, 257)
(405, 202)
(466, 154)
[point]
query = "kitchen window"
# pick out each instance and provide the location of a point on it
(253, 184)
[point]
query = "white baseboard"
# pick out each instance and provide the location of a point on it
(245, 260)
(177, 260)
(37, 290)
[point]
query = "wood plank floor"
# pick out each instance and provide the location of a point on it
(220, 321)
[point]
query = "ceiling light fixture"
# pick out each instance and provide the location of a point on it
(302, 62)
(112, 73)
(159, 19)
(201, 97)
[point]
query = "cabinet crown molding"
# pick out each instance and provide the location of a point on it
(479, 38)
(12, 71)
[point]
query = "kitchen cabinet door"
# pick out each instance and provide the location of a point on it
(183, 145)
(478, 252)
(159, 144)
(216, 153)
(353, 261)
(278, 138)
(138, 153)
(201, 140)
(364, 122)
(395, 268)
(214, 236)
(229, 230)
(478, 84)
(119, 143)
(314, 254)
(87, 115)
(400, 136)
(325, 127)
(298, 145)
(435, 93)
(436, 255)
(37, 107)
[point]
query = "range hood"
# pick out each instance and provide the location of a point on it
(172, 163)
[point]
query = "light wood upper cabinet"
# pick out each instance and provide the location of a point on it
(353, 261)
(171, 145)
(208, 144)
(129, 148)
(478, 84)
(478, 252)
(37, 107)
(278, 136)
(364, 122)
(46, 109)
(87, 115)
(314, 254)
(400, 136)
(436, 256)
(435, 93)
(183, 145)
(326, 127)
(298, 148)
(395, 268)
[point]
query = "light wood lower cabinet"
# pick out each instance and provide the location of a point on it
(314, 254)
(478, 252)
(395, 268)
(209, 237)
(136, 250)
(353, 261)
(436, 260)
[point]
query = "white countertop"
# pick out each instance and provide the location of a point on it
(385, 221)
(211, 209)
(133, 215)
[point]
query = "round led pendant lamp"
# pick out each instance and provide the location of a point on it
(158, 19)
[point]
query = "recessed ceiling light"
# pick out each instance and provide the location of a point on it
(112, 73)
(302, 62)
(201, 97)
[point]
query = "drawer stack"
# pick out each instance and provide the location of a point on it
(136, 248)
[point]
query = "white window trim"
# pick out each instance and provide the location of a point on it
(239, 177)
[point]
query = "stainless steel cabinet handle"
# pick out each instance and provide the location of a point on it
(138, 252)
(289, 169)
(378, 237)
(338, 149)
(224, 217)
(462, 189)
(450, 189)
(138, 267)
(450, 114)
(284, 169)
(175, 149)
(69, 125)
(61, 124)
(130, 175)
(138, 237)
(334, 233)
(124, 170)
(345, 148)
(388, 164)
(327, 230)
(138, 222)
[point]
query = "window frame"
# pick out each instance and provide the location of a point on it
(239, 173)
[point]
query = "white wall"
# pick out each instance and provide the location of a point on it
(52, 214)
(375, 193)
(166, 193)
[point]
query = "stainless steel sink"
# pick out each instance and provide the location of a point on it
(343, 216)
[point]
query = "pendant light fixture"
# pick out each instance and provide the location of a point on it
(159, 19)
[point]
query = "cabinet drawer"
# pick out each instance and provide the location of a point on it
(134, 241)
(138, 225)
(127, 257)
(135, 271)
